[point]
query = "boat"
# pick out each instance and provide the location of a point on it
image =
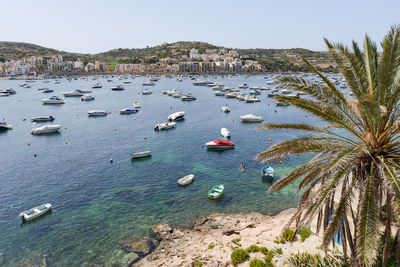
(272, 94)
(85, 91)
(47, 90)
(225, 132)
(9, 91)
(73, 93)
(180, 115)
(117, 88)
(178, 95)
(48, 128)
(186, 179)
(5, 126)
(294, 95)
(87, 97)
(219, 93)
(127, 82)
(172, 92)
(275, 90)
(164, 126)
(225, 109)
(231, 95)
(265, 88)
(97, 85)
(286, 92)
(243, 86)
(128, 111)
(216, 192)
(251, 99)
(53, 100)
(251, 118)
(97, 113)
(241, 96)
(220, 145)
(147, 92)
(282, 104)
(255, 87)
(4, 94)
(137, 105)
(141, 154)
(46, 81)
(267, 172)
(149, 83)
(42, 119)
(254, 92)
(188, 98)
(35, 212)
(201, 83)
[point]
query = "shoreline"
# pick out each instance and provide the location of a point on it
(212, 238)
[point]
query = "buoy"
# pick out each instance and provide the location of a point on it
(66, 142)
(269, 139)
(276, 111)
(29, 143)
(202, 145)
(134, 118)
(280, 162)
(23, 119)
(35, 155)
(145, 138)
(111, 160)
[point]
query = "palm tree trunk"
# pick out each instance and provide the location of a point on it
(388, 233)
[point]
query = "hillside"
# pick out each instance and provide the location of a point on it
(271, 59)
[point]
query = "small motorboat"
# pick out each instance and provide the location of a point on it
(254, 87)
(141, 154)
(172, 92)
(272, 94)
(127, 82)
(186, 179)
(97, 113)
(147, 92)
(216, 192)
(164, 126)
(42, 119)
(178, 95)
(219, 93)
(117, 88)
(225, 132)
(4, 94)
(188, 98)
(282, 104)
(5, 126)
(149, 83)
(231, 95)
(46, 81)
(73, 93)
(225, 109)
(54, 100)
(9, 91)
(220, 145)
(267, 172)
(97, 85)
(243, 86)
(47, 90)
(251, 99)
(87, 97)
(180, 115)
(286, 92)
(85, 91)
(241, 96)
(254, 92)
(251, 118)
(137, 105)
(128, 111)
(35, 212)
(48, 128)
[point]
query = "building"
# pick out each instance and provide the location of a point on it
(19, 68)
(194, 54)
(78, 65)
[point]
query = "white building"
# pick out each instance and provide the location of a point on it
(78, 64)
(194, 53)
(20, 68)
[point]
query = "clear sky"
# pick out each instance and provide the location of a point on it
(92, 26)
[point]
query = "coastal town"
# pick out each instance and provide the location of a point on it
(211, 61)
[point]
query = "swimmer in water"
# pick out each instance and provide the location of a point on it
(243, 167)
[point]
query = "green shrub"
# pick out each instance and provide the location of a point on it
(199, 263)
(253, 248)
(257, 263)
(304, 233)
(269, 256)
(307, 259)
(239, 256)
(263, 250)
(287, 234)
(211, 246)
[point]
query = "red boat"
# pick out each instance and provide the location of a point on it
(220, 144)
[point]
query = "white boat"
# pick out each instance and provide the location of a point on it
(254, 92)
(225, 132)
(87, 97)
(137, 105)
(275, 90)
(201, 83)
(147, 92)
(35, 212)
(73, 93)
(148, 83)
(47, 90)
(117, 88)
(164, 126)
(96, 113)
(251, 99)
(46, 81)
(141, 154)
(9, 91)
(282, 104)
(48, 128)
(286, 92)
(5, 126)
(225, 109)
(219, 93)
(4, 94)
(186, 179)
(97, 85)
(128, 111)
(241, 96)
(53, 100)
(243, 86)
(180, 115)
(85, 91)
(251, 118)
(255, 87)
(172, 92)
(127, 82)
(188, 98)
(42, 119)
(231, 95)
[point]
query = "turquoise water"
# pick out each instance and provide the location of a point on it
(95, 202)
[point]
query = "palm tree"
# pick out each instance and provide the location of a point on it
(354, 174)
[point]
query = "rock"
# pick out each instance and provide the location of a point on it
(139, 244)
(130, 257)
(162, 231)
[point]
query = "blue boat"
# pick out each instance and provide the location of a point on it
(267, 172)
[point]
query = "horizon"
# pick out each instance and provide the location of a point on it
(93, 27)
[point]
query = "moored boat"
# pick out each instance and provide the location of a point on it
(87, 97)
(35, 212)
(128, 111)
(48, 128)
(225, 132)
(186, 179)
(147, 92)
(117, 88)
(243, 86)
(251, 118)
(164, 126)
(180, 115)
(96, 113)
(73, 93)
(141, 154)
(225, 109)
(5, 126)
(42, 119)
(148, 83)
(267, 172)
(137, 105)
(53, 100)
(220, 145)
(216, 192)
(97, 85)
(188, 98)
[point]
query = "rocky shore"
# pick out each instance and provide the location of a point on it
(214, 237)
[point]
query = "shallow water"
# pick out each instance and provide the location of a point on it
(95, 202)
